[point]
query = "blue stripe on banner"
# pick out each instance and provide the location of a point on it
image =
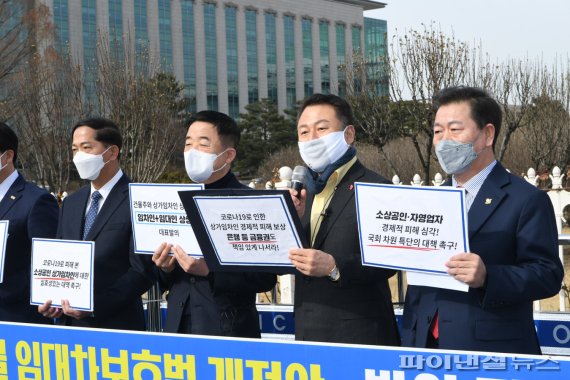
(42, 352)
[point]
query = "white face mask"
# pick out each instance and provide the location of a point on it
(200, 165)
(321, 152)
(89, 165)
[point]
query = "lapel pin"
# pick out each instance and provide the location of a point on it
(488, 201)
(350, 187)
(12, 197)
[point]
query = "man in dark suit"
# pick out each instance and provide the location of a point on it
(200, 301)
(31, 212)
(512, 235)
(336, 298)
(99, 212)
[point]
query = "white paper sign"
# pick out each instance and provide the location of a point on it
(412, 228)
(249, 230)
(62, 269)
(3, 238)
(158, 216)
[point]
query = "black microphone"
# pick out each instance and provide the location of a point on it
(299, 178)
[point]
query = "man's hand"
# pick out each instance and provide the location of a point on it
(190, 264)
(71, 312)
(312, 262)
(299, 200)
(48, 311)
(467, 268)
(162, 259)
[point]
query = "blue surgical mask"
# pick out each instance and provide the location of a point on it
(455, 157)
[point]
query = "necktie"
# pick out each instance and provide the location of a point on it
(92, 212)
(434, 327)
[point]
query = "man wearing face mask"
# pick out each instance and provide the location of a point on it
(512, 235)
(31, 212)
(336, 298)
(100, 212)
(200, 301)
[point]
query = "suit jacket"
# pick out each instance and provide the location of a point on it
(357, 308)
(513, 228)
(31, 212)
(223, 303)
(120, 276)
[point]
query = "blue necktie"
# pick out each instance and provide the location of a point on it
(91, 213)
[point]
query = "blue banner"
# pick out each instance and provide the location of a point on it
(54, 352)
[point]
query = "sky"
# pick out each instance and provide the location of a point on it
(504, 28)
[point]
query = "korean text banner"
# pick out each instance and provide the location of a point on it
(158, 216)
(62, 270)
(410, 228)
(3, 237)
(55, 352)
(245, 229)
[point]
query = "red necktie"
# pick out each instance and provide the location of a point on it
(434, 327)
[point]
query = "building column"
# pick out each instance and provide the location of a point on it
(348, 45)
(242, 59)
(333, 62)
(76, 33)
(281, 76)
(153, 36)
(299, 69)
(316, 42)
(128, 9)
(221, 58)
(200, 49)
(102, 17)
(177, 46)
(261, 55)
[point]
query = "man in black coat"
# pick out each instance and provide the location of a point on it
(200, 301)
(336, 298)
(100, 212)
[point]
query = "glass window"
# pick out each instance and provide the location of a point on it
(307, 25)
(271, 60)
(251, 40)
(289, 31)
(232, 61)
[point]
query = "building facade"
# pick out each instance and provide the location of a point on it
(229, 53)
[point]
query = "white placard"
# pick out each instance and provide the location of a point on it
(412, 228)
(158, 216)
(3, 238)
(62, 270)
(249, 230)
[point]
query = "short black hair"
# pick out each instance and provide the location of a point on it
(8, 140)
(341, 107)
(106, 131)
(484, 109)
(226, 127)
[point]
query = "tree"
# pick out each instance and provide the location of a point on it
(547, 121)
(21, 24)
(364, 82)
(422, 63)
(263, 132)
(149, 111)
(515, 85)
(45, 101)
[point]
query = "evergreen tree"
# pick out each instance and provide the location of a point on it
(263, 132)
